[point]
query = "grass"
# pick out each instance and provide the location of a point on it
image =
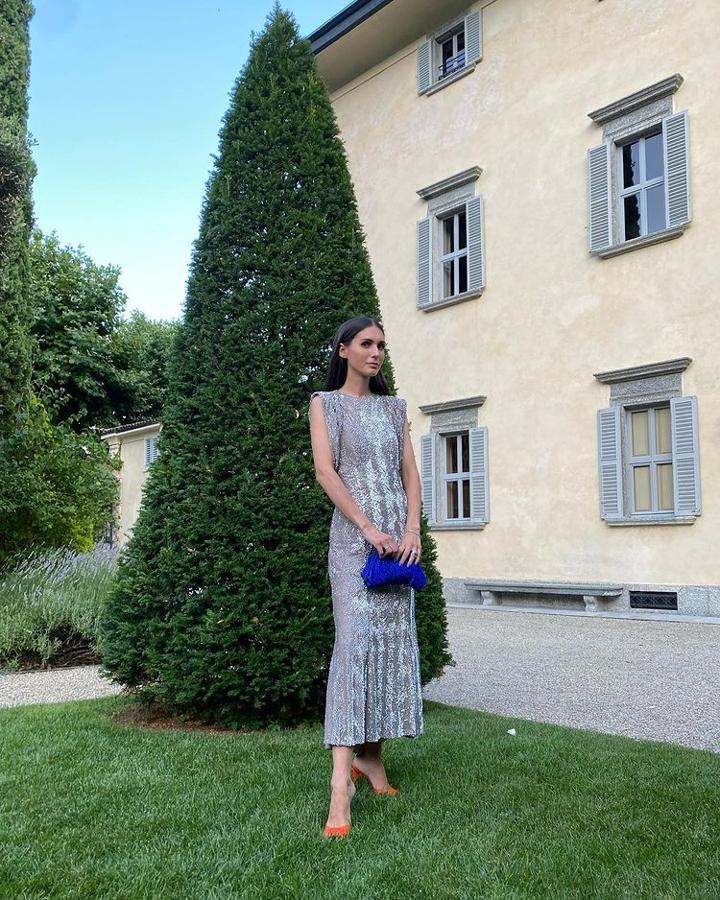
(50, 607)
(89, 808)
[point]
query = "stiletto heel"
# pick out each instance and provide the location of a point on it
(357, 774)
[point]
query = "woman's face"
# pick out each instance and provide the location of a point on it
(366, 351)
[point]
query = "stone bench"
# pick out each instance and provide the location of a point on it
(589, 591)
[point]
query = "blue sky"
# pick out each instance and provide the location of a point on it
(126, 100)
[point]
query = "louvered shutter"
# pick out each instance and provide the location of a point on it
(427, 476)
(476, 244)
(686, 458)
(610, 459)
(599, 228)
(148, 452)
(473, 37)
(479, 497)
(677, 169)
(424, 262)
(424, 67)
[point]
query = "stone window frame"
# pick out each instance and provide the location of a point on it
(634, 116)
(638, 388)
(445, 198)
(432, 45)
(447, 418)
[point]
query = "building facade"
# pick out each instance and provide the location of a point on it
(137, 447)
(536, 184)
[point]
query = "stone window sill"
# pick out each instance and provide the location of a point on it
(451, 301)
(456, 76)
(453, 526)
(675, 520)
(669, 234)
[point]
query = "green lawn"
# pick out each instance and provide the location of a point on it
(92, 809)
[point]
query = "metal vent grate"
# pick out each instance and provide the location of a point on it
(653, 600)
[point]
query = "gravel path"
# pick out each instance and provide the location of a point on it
(654, 680)
(54, 686)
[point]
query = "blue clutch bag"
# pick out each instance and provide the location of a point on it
(379, 571)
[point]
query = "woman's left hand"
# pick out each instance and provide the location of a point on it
(410, 549)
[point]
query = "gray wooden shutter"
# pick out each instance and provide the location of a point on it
(148, 452)
(599, 229)
(424, 262)
(424, 67)
(427, 476)
(677, 169)
(473, 37)
(610, 460)
(686, 456)
(476, 244)
(479, 496)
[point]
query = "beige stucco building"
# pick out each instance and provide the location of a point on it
(137, 447)
(542, 211)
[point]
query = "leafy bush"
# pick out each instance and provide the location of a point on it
(50, 606)
(57, 488)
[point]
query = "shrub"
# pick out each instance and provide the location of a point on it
(222, 609)
(50, 606)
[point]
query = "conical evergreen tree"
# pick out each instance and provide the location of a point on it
(222, 605)
(16, 172)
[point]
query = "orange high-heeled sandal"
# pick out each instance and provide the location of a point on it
(388, 791)
(339, 830)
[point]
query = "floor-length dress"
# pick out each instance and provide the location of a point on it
(373, 687)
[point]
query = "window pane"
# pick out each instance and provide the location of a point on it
(640, 434)
(449, 235)
(466, 499)
(653, 156)
(665, 486)
(465, 439)
(462, 274)
(461, 41)
(641, 477)
(452, 500)
(662, 430)
(449, 279)
(447, 51)
(451, 455)
(656, 208)
(462, 230)
(632, 216)
(631, 164)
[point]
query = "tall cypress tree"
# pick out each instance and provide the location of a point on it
(222, 604)
(16, 172)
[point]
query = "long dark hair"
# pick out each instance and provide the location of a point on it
(337, 369)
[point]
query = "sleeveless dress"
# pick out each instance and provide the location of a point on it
(373, 687)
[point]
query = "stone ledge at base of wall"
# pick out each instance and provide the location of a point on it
(692, 600)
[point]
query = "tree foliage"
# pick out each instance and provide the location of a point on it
(222, 606)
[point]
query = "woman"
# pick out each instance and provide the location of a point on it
(365, 464)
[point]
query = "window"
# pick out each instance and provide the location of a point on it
(639, 177)
(454, 255)
(450, 53)
(151, 451)
(454, 465)
(650, 460)
(648, 447)
(457, 475)
(642, 188)
(451, 243)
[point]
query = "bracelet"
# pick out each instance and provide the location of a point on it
(412, 531)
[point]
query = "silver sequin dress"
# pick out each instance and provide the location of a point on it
(373, 687)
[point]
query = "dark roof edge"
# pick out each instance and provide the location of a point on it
(344, 21)
(119, 429)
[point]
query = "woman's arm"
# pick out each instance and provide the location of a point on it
(333, 485)
(411, 483)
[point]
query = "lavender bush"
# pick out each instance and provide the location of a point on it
(50, 607)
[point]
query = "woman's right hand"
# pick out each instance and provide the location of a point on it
(383, 543)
